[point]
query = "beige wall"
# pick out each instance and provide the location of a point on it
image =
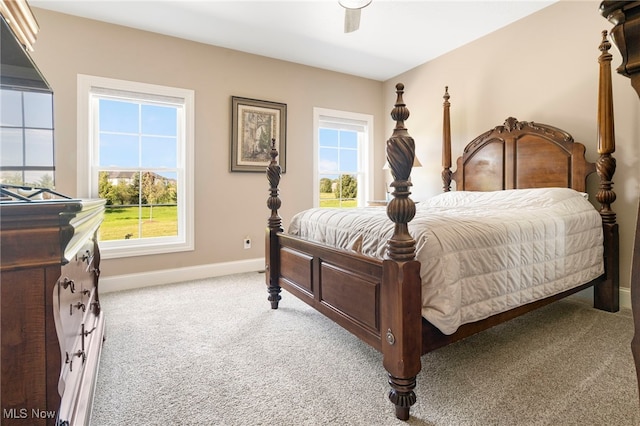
(229, 206)
(542, 68)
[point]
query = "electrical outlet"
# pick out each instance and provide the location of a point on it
(247, 242)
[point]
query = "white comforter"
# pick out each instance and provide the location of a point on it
(481, 253)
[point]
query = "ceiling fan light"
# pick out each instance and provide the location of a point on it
(354, 4)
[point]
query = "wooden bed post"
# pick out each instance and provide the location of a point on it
(606, 294)
(401, 295)
(446, 142)
(625, 15)
(274, 227)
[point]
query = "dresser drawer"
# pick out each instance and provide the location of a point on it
(74, 297)
(78, 376)
(80, 361)
(81, 268)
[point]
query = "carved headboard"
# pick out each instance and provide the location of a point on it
(522, 154)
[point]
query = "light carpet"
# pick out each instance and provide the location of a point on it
(213, 352)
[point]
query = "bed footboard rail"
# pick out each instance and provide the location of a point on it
(344, 286)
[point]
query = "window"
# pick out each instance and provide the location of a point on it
(138, 155)
(26, 132)
(343, 158)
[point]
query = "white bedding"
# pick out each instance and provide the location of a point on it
(481, 253)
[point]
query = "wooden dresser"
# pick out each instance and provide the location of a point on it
(52, 326)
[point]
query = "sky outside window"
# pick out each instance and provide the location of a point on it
(338, 152)
(137, 135)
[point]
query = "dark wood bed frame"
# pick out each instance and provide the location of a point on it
(380, 300)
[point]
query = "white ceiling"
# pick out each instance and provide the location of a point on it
(394, 35)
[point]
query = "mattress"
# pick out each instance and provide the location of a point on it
(481, 253)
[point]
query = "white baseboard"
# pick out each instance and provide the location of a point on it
(625, 298)
(169, 276)
(624, 294)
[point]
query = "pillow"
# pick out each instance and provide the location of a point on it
(531, 198)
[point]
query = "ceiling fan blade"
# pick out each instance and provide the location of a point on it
(351, 20)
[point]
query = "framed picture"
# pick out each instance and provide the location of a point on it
(253, 124)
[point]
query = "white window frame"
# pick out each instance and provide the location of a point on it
(365, 148)
(87, 186)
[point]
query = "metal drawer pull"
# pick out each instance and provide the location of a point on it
(86, 257)
(69, 360)
(66, 282)
(78, 305)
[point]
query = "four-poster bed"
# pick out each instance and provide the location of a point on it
(380, 298)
